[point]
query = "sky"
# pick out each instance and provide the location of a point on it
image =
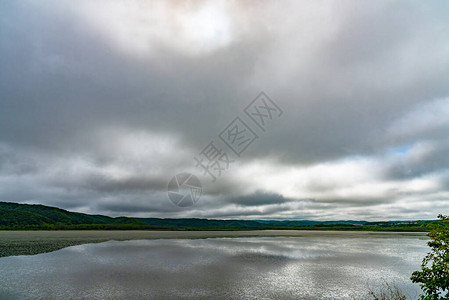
(103, 102)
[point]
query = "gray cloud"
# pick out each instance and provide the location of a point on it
(101, 104)
(258, 199)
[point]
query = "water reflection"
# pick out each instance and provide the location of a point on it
(310, 267)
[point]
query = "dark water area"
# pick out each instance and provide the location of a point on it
(213, 265)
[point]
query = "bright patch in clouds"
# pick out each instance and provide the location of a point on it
(141, 27)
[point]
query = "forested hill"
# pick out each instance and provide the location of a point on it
(35, 216)
(14, 214)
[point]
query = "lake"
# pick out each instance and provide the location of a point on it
(208, 265)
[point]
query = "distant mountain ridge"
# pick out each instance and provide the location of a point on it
(36, 214)
(15, 214)
(22, 216)
(210, 223)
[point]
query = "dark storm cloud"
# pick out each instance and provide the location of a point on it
(71, 74)
(258, 199)
(111, 185)
(101, 103)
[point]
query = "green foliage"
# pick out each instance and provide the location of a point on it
(9, 217)
(26, 216)
(387, 292)
(434, 274)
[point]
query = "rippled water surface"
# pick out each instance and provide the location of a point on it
(311, 265)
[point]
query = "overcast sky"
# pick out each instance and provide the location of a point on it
(103, 102)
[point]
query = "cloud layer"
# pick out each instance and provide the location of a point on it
(102, 103)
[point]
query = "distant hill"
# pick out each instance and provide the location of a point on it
(35, 216)
(206, 223)
(14, 214)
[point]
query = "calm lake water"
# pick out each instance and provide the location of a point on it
(256, 265)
